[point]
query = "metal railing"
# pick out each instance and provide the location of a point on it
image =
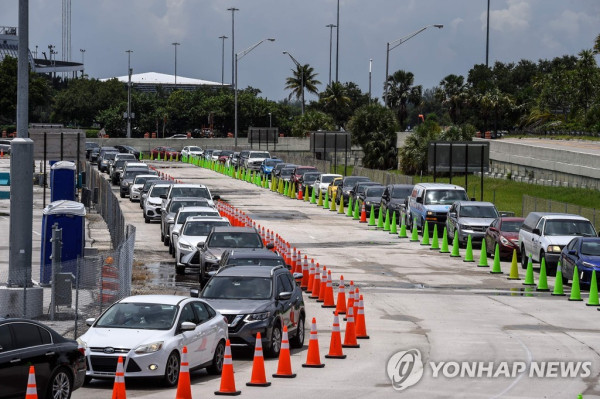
(382, 176)
(535, 204)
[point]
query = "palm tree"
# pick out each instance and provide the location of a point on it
(453, 95)
(597, 45)
(587, 79)
(335, 101)
(303, 75)
(401, 92)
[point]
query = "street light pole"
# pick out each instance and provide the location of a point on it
(370, 70)
(487, 36)
(330, 26)
(301, 70)
(222, 59)
(337, 44)
(82, 50)
(237, 57)
(233, 10)
(270, 120)
(175, 44)
(392, 45)
(129, 70)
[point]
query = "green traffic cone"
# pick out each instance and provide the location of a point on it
(313, 199)
(285, 189)
(350, 208)
(514, 267)
(372, 218)
(141, 155)
(326, 202)
(575, 293)
(543, 280)
(445, 249)
(496, 267)
(483, 262)
(393, 227)
(386, 225)
(402, 233)
(379, 220)
(455, 252)
(593, 298)
(469, 251)
(158, 156)
(558, 282)
(425, 240)
(356, 215)
(529, 273)
(306, 196)
(435, 244)
(414, 235)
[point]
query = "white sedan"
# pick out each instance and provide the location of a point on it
(192, 150)
(193, 232)
(322, 182)
(149, 332)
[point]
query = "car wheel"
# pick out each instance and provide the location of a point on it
(523, 258)
(275, 344)
(162, 236)
(122, 195)
(60, 385)
(146, 219)
(179, 269)
(298, 340)
(170, 249)
(166, 240)
(172, 370)
(217, 363)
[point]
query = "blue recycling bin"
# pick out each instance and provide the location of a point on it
(70, 216)
(63, 181)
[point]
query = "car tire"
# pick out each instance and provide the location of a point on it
(171, 249)
(275, 344)
(146, 219)
(60, 384)
(122, 195)
(523, 258)
(179, 269)
(216, 366)
(166, 240)
(298, 340)
(171, 376)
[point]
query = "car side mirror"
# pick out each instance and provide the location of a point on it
(187, 326)
(572, 252)
(297, 276)
(419, 200)
(284, 296)
(194, 293)
(536, 232)
(452, 214)
(163, 196)
(492, 228)
(90, 321)
(200, 244)
(270, 245)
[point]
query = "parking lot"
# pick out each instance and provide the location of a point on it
(415, 298)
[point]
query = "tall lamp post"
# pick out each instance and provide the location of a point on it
(330, 26)
(239, 56)
(370, 74)
(129, 70)
(82, 50)
(233, 10)
(337, 44)
(222, 58)
(175, 44)
(301, 70)
(392, 45)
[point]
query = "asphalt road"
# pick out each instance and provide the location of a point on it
(415, 298)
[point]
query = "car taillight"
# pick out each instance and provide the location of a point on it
(81, 350)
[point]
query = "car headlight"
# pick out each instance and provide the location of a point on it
(430, 213)
(554, 248)
(185, 246)
(81, 343)
(149, 348)
(368, 203)
(465, 227)
(588, 264)
(504, 241)
(258, 316)
(125, 183)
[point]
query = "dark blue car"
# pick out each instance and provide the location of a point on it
(583, 252)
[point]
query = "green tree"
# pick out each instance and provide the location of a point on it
(303, 74)
(587, 80)
(334, 100)
(453, 95)
(413, 155)
(597, 45)
(374, 128)
(311, 121)
(401, 92)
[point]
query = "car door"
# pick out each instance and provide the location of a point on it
(191, 338)
(536, 240)
(207, 330)
(13, 370)
(570, 260)
(492, 234)
(284, 305)
(296, 300)
(451, 220)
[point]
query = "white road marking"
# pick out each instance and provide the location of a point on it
(35, 232)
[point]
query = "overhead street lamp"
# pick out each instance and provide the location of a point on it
(233, 10)
(301, 70)
(175, 44)
(239, 56)
(330, 26)
(129, 71)
(82, 50)
(392, 45)
(222, 59)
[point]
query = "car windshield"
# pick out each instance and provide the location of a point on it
(511, 226)
(337, 182)
(194, 149)
(362, 188)
(375, 192)
(555, 227)
(272, 162)
(142, 316)
(158, 191)
(201, 192)
(590, 248)
(176, 205)
(401, 192)
(474, 211)
(259, 155)
(184, 215)
(120, 163)
(351, 181)
(327, 179)
(301, 171)
(444, 197)
(131, 174)
(310, 177)
(226, 153)
(233, 287)
(110, 155)
(286, 172)
(216, 153)
(144, 179)
(202, 228)
(255, 262)
(235, 240)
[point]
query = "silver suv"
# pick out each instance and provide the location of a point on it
(470, 218)
(255, 159)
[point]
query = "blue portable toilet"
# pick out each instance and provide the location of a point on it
(70, 216)
(63, 181)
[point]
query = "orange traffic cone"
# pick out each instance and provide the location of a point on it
(300, 195)
(335, 346)
(361, 327)
(341, 299)
(328, 300)
(363, 214)
(313, 358)
(258, 379)
(356, 299)
(119, 386)
(323, 286)
(227, 379)
(284, 367)
(184, 385)
(294, 261)
(350, 295)
(304, 283)
(31, 387)
(311, 277)
(316, 283)
(350, 335)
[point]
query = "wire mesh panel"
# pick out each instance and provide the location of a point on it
(382, 176)
(535, 204)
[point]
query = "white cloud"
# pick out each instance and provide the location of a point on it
(455, 22)
(570, 23)
(515, 17)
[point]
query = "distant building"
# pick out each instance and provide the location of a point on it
(150, 81)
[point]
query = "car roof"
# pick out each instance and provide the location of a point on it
(175, 199)
(149, 175)
(564, 216)
(158, 299)
(206, 218)
(441, 186)
(189, 185)
(247, 271)
(254, 253)
(330, 174)
(401, 186)
(197, 208)
(232, 229)
(161, 184)
(474, 203)
(511, 219)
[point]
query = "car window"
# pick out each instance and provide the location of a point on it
(569, 228)
(235, 240)
(475, 211)
(26, 335)
(540, 225)
(572, 244)
(201, 192)
(6, 343)
(590, 248)
(45, 334)
(253, 261)
(187, 314)
(511, 226)
(158, 191)
(283, 284)
(201, 228)
(401, 192)
(201, 311)
(444, 197)
(234, 287)
(138, 316)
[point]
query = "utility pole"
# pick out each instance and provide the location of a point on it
(175, 44)
(222, 59)
(330, 26)
(487, 36)
(337, 45)
(233, 10)
(370, 69)
(129, 71)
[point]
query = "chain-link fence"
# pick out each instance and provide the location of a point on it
(306, 159)
(535, 204)
(382, 176)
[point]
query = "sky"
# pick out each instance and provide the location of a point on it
(519, 29)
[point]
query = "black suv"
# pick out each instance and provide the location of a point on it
(250, 257)
(347, 185)
(395, 199)
(258, 299)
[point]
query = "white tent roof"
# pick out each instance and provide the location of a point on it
(163, 79)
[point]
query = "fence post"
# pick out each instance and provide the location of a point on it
(77, 277)
(56, 259)
(523, 206)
